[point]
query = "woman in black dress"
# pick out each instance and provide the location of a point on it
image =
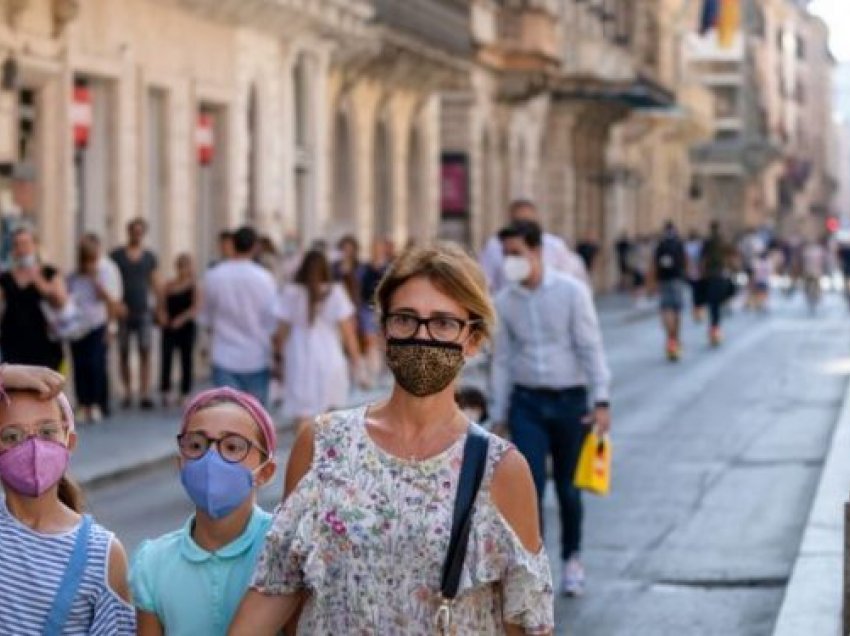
(182, 300)
(25, 336)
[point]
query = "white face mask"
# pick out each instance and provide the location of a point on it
(516, 268)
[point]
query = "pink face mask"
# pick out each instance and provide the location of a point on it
(34, 466)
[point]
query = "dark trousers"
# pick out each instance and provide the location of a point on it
(716, 293)
(88, 355)
(174, 340)
(544, 422)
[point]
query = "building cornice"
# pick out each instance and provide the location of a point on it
(288, 18)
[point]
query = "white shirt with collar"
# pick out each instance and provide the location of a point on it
(238, 308)
(547, 337)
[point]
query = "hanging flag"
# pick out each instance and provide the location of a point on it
(728, 22)
(708, 18)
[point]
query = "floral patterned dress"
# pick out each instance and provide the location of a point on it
(366, 534)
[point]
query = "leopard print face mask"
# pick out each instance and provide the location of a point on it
(424, 367)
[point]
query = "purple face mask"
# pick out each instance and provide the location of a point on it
(34, 466)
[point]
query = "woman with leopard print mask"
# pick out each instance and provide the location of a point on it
(359, 543)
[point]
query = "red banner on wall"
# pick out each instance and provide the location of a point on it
(81, 115)
(454, 188)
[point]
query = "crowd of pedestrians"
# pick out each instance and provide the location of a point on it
(413, 479)
(282, 325)
(402, 516)
(717, 269)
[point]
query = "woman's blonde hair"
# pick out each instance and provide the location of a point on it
(451, 270)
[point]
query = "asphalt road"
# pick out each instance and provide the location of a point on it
(716, 461)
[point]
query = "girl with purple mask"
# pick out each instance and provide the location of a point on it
(62, 572)
(191, 581)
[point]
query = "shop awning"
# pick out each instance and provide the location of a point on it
(637, 93)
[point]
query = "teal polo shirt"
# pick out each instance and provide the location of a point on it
(193, 591)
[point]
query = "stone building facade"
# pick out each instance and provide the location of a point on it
(769, 162)
(567, 102)
(404, 119)
(259, 70)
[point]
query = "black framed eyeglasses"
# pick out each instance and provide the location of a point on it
(232, 447)
(440, 328)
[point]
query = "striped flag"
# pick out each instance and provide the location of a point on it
(728, 22)
(708, 18)
(722, 15)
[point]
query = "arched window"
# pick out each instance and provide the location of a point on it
(383, 179)
(344, 191)
(303, 123)
(518, 172)
(417, 215)
(505, 165)
(253, 157)
(490, 216)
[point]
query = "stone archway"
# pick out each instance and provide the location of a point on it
(344, 213)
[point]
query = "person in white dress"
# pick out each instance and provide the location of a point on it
(316, 330)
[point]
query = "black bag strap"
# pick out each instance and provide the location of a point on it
(471, 474)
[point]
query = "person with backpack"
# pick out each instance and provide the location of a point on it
(62, 572)
(191, 581)
(669, 269)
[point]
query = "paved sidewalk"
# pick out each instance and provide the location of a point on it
(813, 600)
(616, 308)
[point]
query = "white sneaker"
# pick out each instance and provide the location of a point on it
(573, 578)
(96, 415)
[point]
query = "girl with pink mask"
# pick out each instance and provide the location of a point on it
(62, 572)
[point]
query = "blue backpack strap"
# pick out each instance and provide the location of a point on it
(70, 583)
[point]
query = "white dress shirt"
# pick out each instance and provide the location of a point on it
(556, 255)
(547, 338)
(238, 308)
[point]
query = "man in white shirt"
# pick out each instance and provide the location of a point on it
(239, 296)
(549, 377)
(556, 254)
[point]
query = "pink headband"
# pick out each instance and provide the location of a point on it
(248, 402)
(64, 406)
(67, 411)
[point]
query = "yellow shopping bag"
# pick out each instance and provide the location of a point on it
(593, 472)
